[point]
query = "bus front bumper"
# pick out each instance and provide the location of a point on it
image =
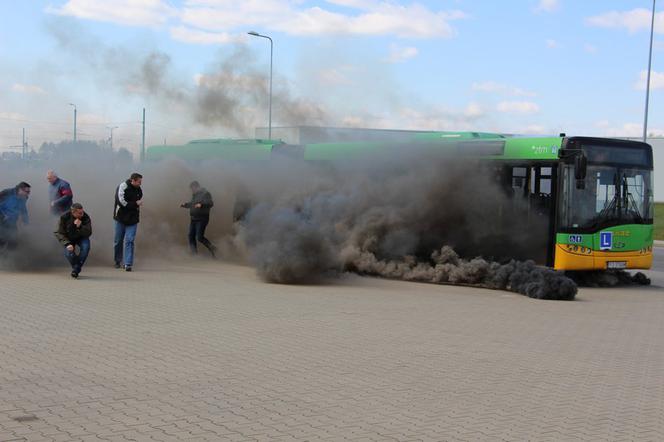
(578, 258)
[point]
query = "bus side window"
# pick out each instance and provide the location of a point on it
(540, 189)
(545, 180)
(519, 175)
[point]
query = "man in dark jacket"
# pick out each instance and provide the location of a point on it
(199, 211)
(126, 213)
(12, 208)
(74, 229)
(59, 194)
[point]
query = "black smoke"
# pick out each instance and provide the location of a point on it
(400, 215)
(608, 278)
(396, 216)
(231, 94)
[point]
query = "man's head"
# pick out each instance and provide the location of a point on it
(136, 179)
(23, 190)
(77, 210)
(195, 186)
(51, 176)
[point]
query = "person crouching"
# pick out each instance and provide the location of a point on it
(74, 230)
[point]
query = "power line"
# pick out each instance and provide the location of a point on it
(65, 123)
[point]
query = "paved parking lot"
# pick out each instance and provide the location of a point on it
(205, 351)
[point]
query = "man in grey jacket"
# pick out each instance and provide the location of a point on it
(199, 212)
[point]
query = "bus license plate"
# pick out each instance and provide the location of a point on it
(616, 264)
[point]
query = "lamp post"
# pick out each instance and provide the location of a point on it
(72, 104)
(645, 117)
(111, 138)
(269, 128)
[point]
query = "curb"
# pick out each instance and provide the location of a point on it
(657, 243)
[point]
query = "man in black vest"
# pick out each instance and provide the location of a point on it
(199, 212)
(74, 230)
(126, 213)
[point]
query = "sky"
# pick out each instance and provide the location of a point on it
(517, 66)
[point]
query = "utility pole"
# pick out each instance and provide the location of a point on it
(24, 146)
(111, 138)
(143, 139)
(269, 127)
(72, 104)
(645, 117)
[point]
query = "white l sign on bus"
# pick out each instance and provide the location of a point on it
(605, 240)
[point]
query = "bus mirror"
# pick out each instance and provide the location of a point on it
(580, 163)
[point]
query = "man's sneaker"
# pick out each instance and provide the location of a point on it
(74, 274)
(117, 265)
(128, 268)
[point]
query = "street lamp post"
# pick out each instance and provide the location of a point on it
(72, 104)
(269, 128)
(111, 137)
(645, 117)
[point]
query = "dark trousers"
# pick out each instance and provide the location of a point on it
(8, 235)
(75, 260)
(197, 233)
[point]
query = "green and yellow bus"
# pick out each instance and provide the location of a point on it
(587, 203)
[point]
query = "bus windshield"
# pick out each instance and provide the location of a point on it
(612, 196)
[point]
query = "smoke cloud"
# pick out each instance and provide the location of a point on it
(94, 174)
(402, 214)
(231, 94)
(445, 267)
(609, 278)
(398, 216)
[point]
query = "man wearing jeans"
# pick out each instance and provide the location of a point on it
(199, 212)
(128, 201)
(74, 230)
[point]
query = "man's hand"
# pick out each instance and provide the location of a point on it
(70, 248)
(198, 205)
(139, 203)
(77, 222)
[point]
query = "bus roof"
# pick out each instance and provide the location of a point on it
(456, 135)
(536, 148)
(222, 148)
(477, 144)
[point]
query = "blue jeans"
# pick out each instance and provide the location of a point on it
(124, 235)
(197, 233)
(75, 260)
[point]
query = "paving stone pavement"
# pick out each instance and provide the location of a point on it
(206, 351)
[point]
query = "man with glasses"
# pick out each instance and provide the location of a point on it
(12, 208)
